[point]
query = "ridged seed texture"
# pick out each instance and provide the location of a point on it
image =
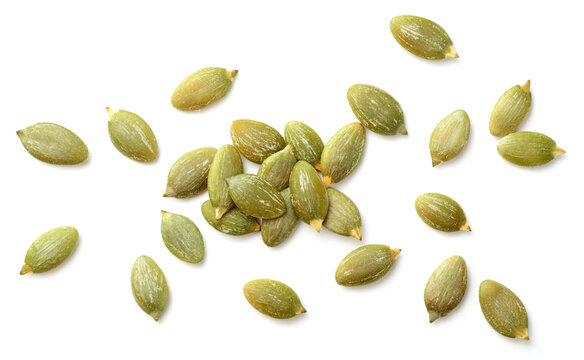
(306, 143)
(308, 194)
(256, 196)
(503, 310)
(149, 286)
(226, 163)
(233, 222)
(445, 287)
(449, 137)
(376, 110)
(132, 136)
(422, 37)
(343, 216)
(276, 231)
(277, 168)
(441, 212)
(273, 298)
(255, 140)
(53, 144)
(188, 175)
(182, 237)
(365, 265)
(50, 249)
(342, 153)
(527, 148)
(202, 88)
(510, 110)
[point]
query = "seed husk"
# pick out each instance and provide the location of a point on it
(131, 135)
(226, 163)
(273, 298)
(503, 310)
(233, 222)
(256, 140)
(149, 286)
(449, 137)
(527, 148)
(188, 175)
(342, 153)
(510, 110)
(277, 168)
(445, 287)
(50, 249)
(422, 37)
(182, 237)
(53, 144)
(202, 88)
(308, 194)
(306, 144)
(256, 196)
(376, 109)
(276, 231)
(366, 264)
(343, 216)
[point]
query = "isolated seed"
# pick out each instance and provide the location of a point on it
(445, 287)
(277, 168)
(365, 265)
(226, 163)
(50, 249)
(441, 212)
(233, 222)
(376, 110)
(343, 216)
(188, 175)
(273, 298)
(256, 196)
(276, 231)
(449, 137)
(149, 286)
(53, 144)
(503, 310)
(308, 194)
(306, 144)
(510, 110)
(422, 37)
(202, 88)
(182, 237)
(131, 135)
(256, 140)
(342, 153)
(528, 148)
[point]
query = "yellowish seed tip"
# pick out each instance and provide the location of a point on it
(155, 315)
(402, 129)
(327, 181)
(526, 87)
(232, 74)
(316, 224)
(465, 227)
(558, 151)
(20, 133)
(359, 126)
(433, 315)
(393, 253)
(288, 149)
(450, 52)
(521, 333)
(219, 212)
(256, 227)
(300, 309)
(317, 165)
(356, 233)
(111, 112)
(163, 212)
(169, 192)
(25, 269)
(436, 161)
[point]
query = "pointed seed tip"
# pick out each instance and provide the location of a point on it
(327, 181)
(558, 151)
(527, 86)
(25, 269)
(465, 227)
(233, 73)
(450, 52)
(316, 224)
(356, 233)
(435, 162)
(521, 333)
(257, 227)
(433, 316)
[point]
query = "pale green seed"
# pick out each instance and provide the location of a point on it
(342, 153)
(343, 216)
(273, 298)
(365, 265)
(131, 135)
(503, 310)
(50, 249)
(226, 163)
(445, 287)
(233, 222)
(376, 110)
(449, 137)
(422, 37)
(308, 194)
(441, 212)
(256, 196)
(188, 175)
(276, 231)
(527, 148)
(277, 168)
(149, 286)
(182, 237)
(510, 110)
(306, 144)
(53, 144)
(202, 88)
(256, 140)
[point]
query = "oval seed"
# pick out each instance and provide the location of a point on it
(233, 222)
(342, 153)
(131, 135)
(276, 231)
(277, 168)
(226, 163)
(182, 237)
(445, 287)
(188, 175)
(53, 144)
(422, 37)
(449, 137)
(256, 196)
(366, 264)
(50, 249)
(343, 216)
(306, 144)
(503, 310)
(510, 110)
(273, 298)
(376, 110)
(527, 148)
(256, 140)
(308, 194)
(202, 88)
(149, 286)
(441, 212)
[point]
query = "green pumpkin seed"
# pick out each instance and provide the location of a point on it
(422, 37)
(308, 194)
(449, 137)
(441, 212)
(255, 140)
(276, 231)
(131, 135)
(343, 216)
(149, 286)
(273, 298)
(510, 110)
(277, 168)
(366, 264)
(202, 88)
(182, 237)
(226, 163)
(53, 144)
(527, 148)
(256, 196)
(50, 249)
(342, 153)
(376, 110)
(503, 310)
(306, 144)
(233, 222)
(445, 287)
(188, 175)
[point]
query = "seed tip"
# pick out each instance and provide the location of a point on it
(169, 192)
(300, 309)
(327, 181)
(316, 224)
(356, 233)
(317, 165)
(402, 129)
(558, 151)
(155, 315)
(20, 133)
(219, 212)
(393, 253)
(527, 86)
(450, 52)
(435, 161)
(25, 269)
(433, 315)
(521, 333)
(233, 73)
(465, 227)
(256, 227)
(110, 112)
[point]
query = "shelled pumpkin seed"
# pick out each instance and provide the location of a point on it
(273, 298)
(308, 194)
(422, 37)
(445, 287)
(527, 148)
(188, 175)
(376, 110)
(149, 286)
(255, 140)
(441, 212)
(343, 216)
(277, 168)
(306, 144)
(226, 163)
(202, 88)
(342, 153)
(510, 110)
(366, 264)
(50, 249)
(256, 196)
(449, 137)
(233, 222)
(182, 237)
(53, 144)
(131, 135)
(503, 310)
(276, 231)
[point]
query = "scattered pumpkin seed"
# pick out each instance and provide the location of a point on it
(53, 144)
(503, 310)
(50, 249)
(441, 212)
(343, 216)
(449, 137)
(149, 286)
(226, 163)
(376, 110)
(188, 175)
(182, 237)
(306, 144)
(233, 222)
(277, 167)
(527, 148)
(422, 37)
(273, 298)
(308, 194)
(256, 196)
(256, 140)
(342, 153)
(445, 287)
(131, 135)
(510, 110)
(276, 231)
(202, 88)
(366, 264)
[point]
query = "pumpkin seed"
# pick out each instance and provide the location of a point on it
(277, 168)
(306, 144)
(233, 222)
(510, 110)
(182, 237)
(226, 163)
(449, 137)
(342, 153)
(445, 287)
(149, 286)
(366, 264)
(343, 216)
(527, 148)
(202, 88)
(422, 37)
(256, 140)
(308, 194)
(188, 175)
(131, 135)
(376, 110)
(50, 249)
(503, 310)
(273, 298)
(441, 212)
(53, 144)
(276, 231)
(256, 196)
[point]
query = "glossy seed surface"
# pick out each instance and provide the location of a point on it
(276, 231)
(343, 216)
(277, 168)
(188, 175)
(510, 110)
(422, 37)
(366, 264)
(503, 310)
(306, 143)
(445, 287)
(256, 140)
(308, 194)
(50, 249)
(273, 298)
(53, 144)
(149, 286)
(202, 88)
(182, 237)
(256, 196)
(376, 110)
(131, 135)
(233, 222)
(342, 153)
(226, 163)
(441, 212)
(449, 137)
(527, 148)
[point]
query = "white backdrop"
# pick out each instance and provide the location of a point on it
(64, 62)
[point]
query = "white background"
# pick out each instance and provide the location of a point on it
(64, 62)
